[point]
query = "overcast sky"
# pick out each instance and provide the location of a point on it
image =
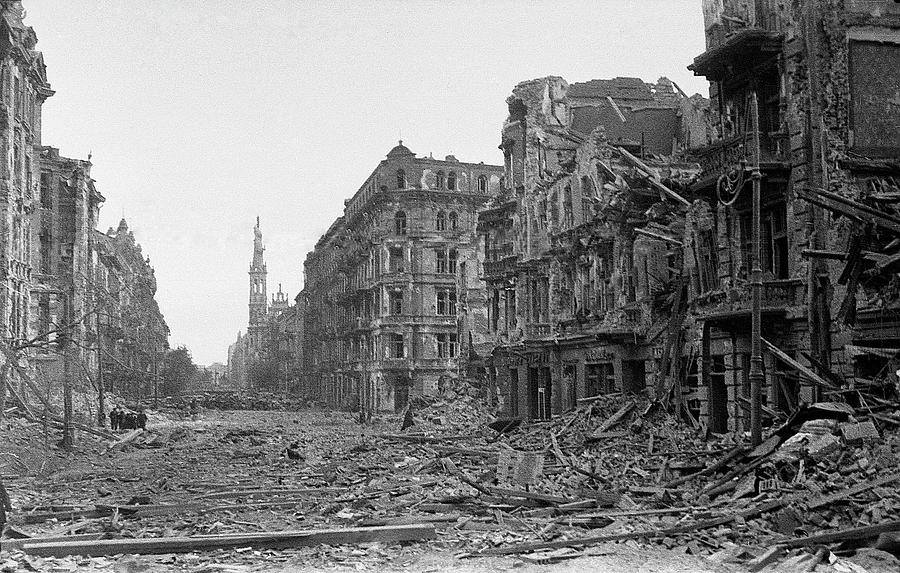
(203, 114)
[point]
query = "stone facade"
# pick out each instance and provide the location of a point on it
(576, 295)
(134, 334)
(393, 297)
(618, 263)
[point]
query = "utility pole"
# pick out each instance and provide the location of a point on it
(757, 378)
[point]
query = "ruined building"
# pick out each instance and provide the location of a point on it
(576, 294)
(23, 90)
(134, 335)
(63, 226)
(618, 255)
(393, 295)
(825, 76)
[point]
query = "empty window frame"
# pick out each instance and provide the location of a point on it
(400, 222)
(446, 302)
(395, 302)
(401, 179)
(482, 184)
(440, 221)
(447, 345)
(451, 181)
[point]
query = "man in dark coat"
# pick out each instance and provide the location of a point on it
(113, 420)
(142, 419)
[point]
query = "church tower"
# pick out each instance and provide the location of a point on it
(258, 303)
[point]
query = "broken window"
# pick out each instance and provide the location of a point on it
(395, 345)
(446, 302)
(401, 179)
(447, 345)
(451, 181)
(400, 223)
(707, 257)
(395, 302)
(599, 378)
(454, 220)
(396, 260)
(440, 222)
(773, 241)
(568, 214)
(482, 184)
(439, 180)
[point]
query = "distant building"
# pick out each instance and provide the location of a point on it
(393, 299)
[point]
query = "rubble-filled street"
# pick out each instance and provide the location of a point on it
(616, 488)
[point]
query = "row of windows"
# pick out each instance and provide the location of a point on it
(449, 182)
(442, 221)
(447, 345)
(445, 302)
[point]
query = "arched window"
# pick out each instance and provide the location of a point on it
(401, 179)
(440, 222)
(451, 181)
(454, 220)
(400, 223)
(482, 184)
(439, 183)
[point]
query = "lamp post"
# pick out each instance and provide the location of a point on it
(757, 377)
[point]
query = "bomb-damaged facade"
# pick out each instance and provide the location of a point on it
(576, 295)
(394, 299)
(601, 280)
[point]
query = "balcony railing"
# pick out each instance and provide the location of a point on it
(727, 154)
(538, 330)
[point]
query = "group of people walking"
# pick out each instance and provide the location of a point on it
(121, 419)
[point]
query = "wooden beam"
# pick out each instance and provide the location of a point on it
(652, 177)
(809, 374)
(851, 208)
(297, 538)
(819, 254)
(658, 236)
(843, 535)
(859, 488)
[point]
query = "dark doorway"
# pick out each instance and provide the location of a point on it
(569, 379)
(634, 376)
(401, 393)
(533, 394)
(514, 392)
(718, 395)
(787, 387)
(545, 398)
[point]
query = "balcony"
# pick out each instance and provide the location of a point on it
(778, 296)
(727, 154)
(434, 320)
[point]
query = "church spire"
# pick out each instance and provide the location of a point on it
(258, 248)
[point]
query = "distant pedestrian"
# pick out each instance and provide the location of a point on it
(120, 418)
(113, 420)
(408, 420)
(142, 420)
(130, 421)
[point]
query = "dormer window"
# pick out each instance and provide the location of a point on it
(439, 182)
(401, 179)
(451, 181)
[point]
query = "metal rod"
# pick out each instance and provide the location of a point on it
(757, 377)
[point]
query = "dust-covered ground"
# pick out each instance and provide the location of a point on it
(198, 474)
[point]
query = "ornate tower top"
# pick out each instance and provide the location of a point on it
(258, 248)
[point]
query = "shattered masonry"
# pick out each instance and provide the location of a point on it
(617, 252)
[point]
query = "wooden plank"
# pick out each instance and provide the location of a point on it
(615, 418)
(649, 533)
(843, 535)
(859, 488)
(10, 544)
(653, 178)
(272, 491)
(820, 254)
(809, 374)
(297, 538)
(849, 207)
(420, 439)
(529, 495)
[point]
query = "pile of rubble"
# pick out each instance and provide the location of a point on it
(617, 469)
